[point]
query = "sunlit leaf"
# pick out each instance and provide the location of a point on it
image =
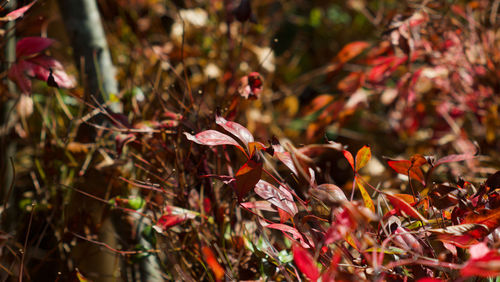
(463, 235)
(305, 263)
(402, 166)
(362, 157)
(212, 262)
(213, 138)
(488, 217)
(349, 158)
(351, 50)
(402, 206)
(260, 205)
(366, 197)
(486, 266)
(278, 197)
(235, 129)
(454, 158)
(17, 13)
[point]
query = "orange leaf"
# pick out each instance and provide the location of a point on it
(362, 157)
(490, 218)
(351, 50)
(402, 166)
(212, 263)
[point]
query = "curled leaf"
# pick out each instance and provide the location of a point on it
(235, 129)
(278, 197)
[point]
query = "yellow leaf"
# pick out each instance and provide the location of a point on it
(366, 197)
(362, 157)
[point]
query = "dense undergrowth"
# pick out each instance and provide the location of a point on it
(278, 141)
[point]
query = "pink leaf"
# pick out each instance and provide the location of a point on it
(213, 138)
(259, 205)
(224, 178)
(236, 129)
(278, 197)
(32, 45)
(305, 263)
(454, 158)
(478, 250)
(17, 13)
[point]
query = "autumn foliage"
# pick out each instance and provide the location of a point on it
(226, 166)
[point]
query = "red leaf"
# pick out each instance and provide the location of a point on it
(213, 138)
(351, 50)
(168, 220)
(17, 74)
(212, 262)
(247, 177)
(362, 157)
(284, 216)
(454, 158)
(305, 263)
(42, 65)
(235, 129)
(278, 197)
(402, 166)
(349, 158)
(351, 82)
(462, 235)
(486, 266)
(17, 13)
(402, 206)
(32, 45)
(490, 218)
